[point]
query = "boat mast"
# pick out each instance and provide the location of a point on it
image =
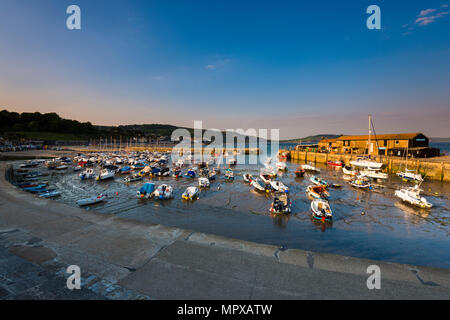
(370, 133)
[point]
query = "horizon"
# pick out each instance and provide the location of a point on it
(302, 68)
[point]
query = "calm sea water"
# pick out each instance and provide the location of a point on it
(368, 224)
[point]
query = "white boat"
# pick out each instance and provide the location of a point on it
(62, 167)
(412, 196)
(310, 167)
(203, 182)
(105, 174)
(321, 210)
(366, 162)
(247, 177)
(77, 168)
(164, 192)
(349, 171)
(374, 174)
(281, 204)
(191, 193)
(279, 186)
(259, 185)
(265, 178)
(92, 200)
(50, 194)
(361, 183)
(410, 175)
(133, 178)
(87, 174)
(281, 166)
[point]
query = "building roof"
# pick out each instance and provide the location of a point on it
(393, 136)
(328, 140)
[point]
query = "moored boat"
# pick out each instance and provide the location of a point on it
(191, 193)
(203, 182)
(164, 192)
(317, 191)
(321, 210)
(146, 191)
(318, 181)
(92, 200)
(281, 204)
(300, 172)
(412, 196)
(279, 186)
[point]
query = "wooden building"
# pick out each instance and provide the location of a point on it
(385, 144)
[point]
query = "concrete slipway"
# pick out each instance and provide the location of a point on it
(122, 259)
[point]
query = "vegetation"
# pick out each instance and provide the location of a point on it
(311, 139)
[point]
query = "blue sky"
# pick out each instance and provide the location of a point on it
(304, 67)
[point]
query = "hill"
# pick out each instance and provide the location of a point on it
(311, 139)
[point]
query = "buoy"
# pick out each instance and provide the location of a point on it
(363, 213)
(117, 193)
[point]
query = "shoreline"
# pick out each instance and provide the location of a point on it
(162, 262)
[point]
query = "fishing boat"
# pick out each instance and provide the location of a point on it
(410, 175)
(281, 204)
(164, 192)
(299, 172)
(321, 210)
(176, 173)
(146, 191)
(334, 163)
(318, 181)
(279, 186)
(361, 183)
(310, 167)
(190, 174)
(259, 185)
(247, 177)
(282, 166)
(191, 193)
(87, 174)
(412, 195)
(92, 200)
(203, 182)
(229, 174)
(105, 174)
(164, 172)
(133, 178)
(125, 170)
(317, 191)
(348, 170)
(374, 174)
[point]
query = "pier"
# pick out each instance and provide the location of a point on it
(437, 168)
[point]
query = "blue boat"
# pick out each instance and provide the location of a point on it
(146, 191)
(190, 174)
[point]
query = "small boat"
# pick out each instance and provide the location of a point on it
(204, 172)
(191, 193)
(247, 177)
(281, 204)
(203, 182)
(87, 174)
(229, 174)
(410, 175)
(334, 163)
(50, 194)
(232, 161)
(300, 172)
(133, 178)
(146, 191)
(318, 181)
(309, 167)
(366, 162)
(412, 196)
(190, 174)
(163, 172)
(374, 174)
(348, 170)
(212, 175)
(62, 167)
(281, 166)
(92, 200)
(318, 192)
(265, 178)
(77, 168)
(176, 173)
(105, 174)
(279, 186)
(38, 188)
(259, 185)
(361, 183)
(321, 210)
(125, 170)
(164, 192)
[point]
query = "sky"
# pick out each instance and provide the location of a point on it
(304, 67)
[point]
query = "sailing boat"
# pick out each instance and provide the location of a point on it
(409, 174)
(365, 161)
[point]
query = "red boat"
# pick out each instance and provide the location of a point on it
(334, 163)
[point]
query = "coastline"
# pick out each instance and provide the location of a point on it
(158, 262)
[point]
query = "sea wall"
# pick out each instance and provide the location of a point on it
(431, 169)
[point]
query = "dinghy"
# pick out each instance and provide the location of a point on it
(279, 186)
(281, 204)
(318, 181)
(318, 192)
(176, 173)
(349, 171)
(247, 177)
(50, 194)
(229, 174)
(164, 192)
(146, 191)
(299, 172)
(203, 182)
(334, 163)
(412, 195)
(410, 175)
(321, 210)
(191, 193)
(92, 200)
(265, 178)
(374, 174)
(105, 174)
(309, 167)
(361, 183)
(133, 178)
(259, 185)
(190, 174)
(281, 166)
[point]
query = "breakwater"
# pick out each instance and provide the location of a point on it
(433, 169)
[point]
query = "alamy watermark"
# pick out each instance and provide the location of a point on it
(74, 280)
(374, 280)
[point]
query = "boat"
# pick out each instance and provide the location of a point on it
(50, 194)
(191, 193)
(87, 174)
(321, 210)
(361, 183)
(190, 174)
(92, 200)
(318, 192)
(336, 163)
(146, 191)
(412, 195)
(281, 204)
(203, 182)
(349, 171)
(77, 168)
(133, 178)
(125, 170)
(279, 186)
(164, 172)
(309, 167)
(265, 178)
(299, 172)
(229, 174)
(62, 167)
(410, 175)
(38, 188)
(281, 165)
(259, 185)
(105, 174)
(232, 162)
(374, 174)
(164, 192)
(176, 173)
(318, 181)
(247, 177)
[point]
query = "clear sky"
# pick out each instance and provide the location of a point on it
(306, 67)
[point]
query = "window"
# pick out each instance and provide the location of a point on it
(396, 141)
